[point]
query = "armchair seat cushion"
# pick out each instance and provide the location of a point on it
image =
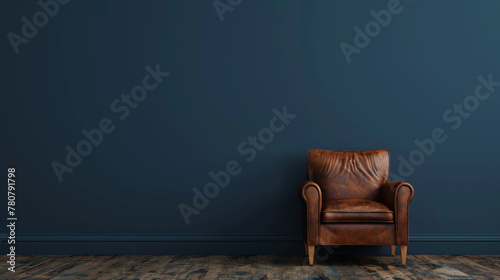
(356, 211)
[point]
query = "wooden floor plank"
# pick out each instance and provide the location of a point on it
(245, 267)
(24, 264)
(58, 267)
(346, 266)
(222, 267)
(384, 267)
(128, 268)
(268, 267)
(165, 269)
(41, 266)
(195, 268)
(438, 267)
(90, 267)
(490, 261)
(472, 268)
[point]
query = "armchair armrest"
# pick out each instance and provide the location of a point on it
(397, 196)
(394, 193)
(310, 192)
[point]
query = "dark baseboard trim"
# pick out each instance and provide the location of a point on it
(454, 238)
(232, 238)
(246, 245)
(160, 238)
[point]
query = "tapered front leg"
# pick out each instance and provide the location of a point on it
(403, 254)
(393, 250)
(310, 250)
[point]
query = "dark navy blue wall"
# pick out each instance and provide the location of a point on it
(226, 76)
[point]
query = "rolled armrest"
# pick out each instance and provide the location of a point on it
(397, 196)
(394, 193)
(310, 192)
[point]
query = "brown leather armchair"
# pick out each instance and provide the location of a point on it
(350, 202)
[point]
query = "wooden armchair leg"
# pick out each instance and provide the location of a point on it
(403, 254)
(393, 250)
(311, 254)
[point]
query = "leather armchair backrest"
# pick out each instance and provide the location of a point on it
(348, 174)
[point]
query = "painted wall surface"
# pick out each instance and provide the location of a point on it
(114, 113)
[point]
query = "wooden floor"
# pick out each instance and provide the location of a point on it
(252, 267)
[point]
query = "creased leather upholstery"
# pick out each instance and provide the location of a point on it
(356, 211)
(349, 201)
(348, 174)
